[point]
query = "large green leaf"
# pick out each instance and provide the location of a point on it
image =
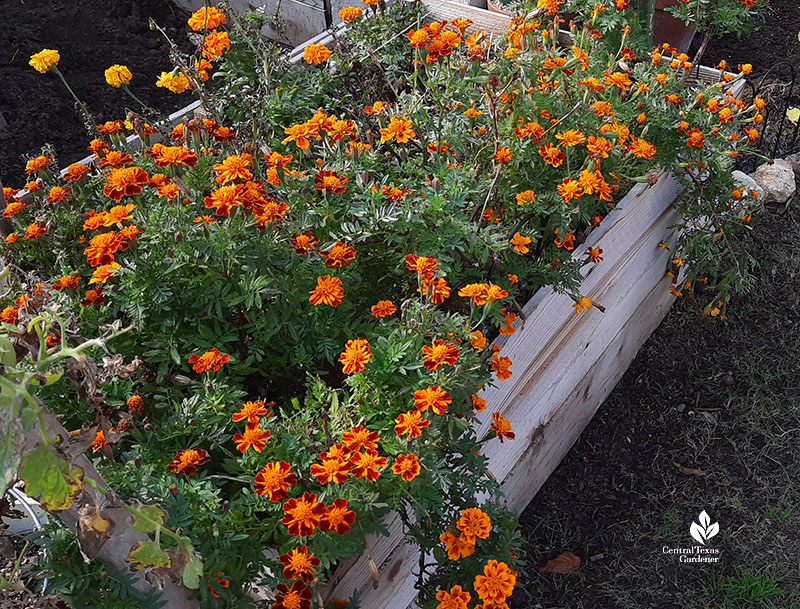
(148, 554)
(50, 479)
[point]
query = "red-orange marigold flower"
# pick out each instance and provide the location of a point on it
(457, 598)
(338, 255)
(406, 466)
(496, 584)
(169, 156)
(224, 199)
(439, 353)
(35, 230)
(94, 297)
(355, 356)
(212, 360)
(434, 397)
(234, 167)
(411, 423)
(329, 291)
(187, 461)
(366, 464)
(303, 243)
(330, 181)
(124, 181)
(360, 437)
(296, 597)
(251, 411)
(253, 437)
(302, 514)
(383, 308)
(331, 470)
(38, 163)
(502, 366)
(274, 479)
(501, 427)
(58, 194)
(337, 517)
(66, 282)
(299, 562)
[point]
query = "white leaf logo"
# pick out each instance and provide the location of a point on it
(705, 530)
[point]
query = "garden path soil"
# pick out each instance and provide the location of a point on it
(91, 35)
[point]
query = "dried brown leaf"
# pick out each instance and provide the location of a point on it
(689, 471)
(564, 563)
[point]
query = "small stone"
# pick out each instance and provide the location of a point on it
(680, 407)
(777, 180)
(794, 161)
(597, 557)
(746, 183)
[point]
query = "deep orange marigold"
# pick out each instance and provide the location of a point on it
(212, 360)
(355, 356)
(187, 461)
(274, 479)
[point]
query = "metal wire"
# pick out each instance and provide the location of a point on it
(27, 504)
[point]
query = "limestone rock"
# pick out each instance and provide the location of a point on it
(777, 180)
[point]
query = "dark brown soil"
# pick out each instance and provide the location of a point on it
(91, 35)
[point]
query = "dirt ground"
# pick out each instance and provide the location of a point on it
(91, 35)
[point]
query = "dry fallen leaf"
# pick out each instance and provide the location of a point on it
(564, 563)
(689, 471)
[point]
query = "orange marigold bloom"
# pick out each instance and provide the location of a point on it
(187, 461)
(124, 181)
(169, 156)
(296, 597)
(94, 297)
(355, 356)
(304, 242)
(411, 423)
(525, 197)
(570, 189)
(299, 562)
(725, 115)
(212, 360)
(399, 129)
(332, 469)
(366, 464)
(75, 172)
(406, 466)
(222, 582)
(302, 514)
(35, 230)
(474, 522)
(338, 255)
(206, 18)
(117, 214)
(437, 289)
(568, 242)
(503, 155)
(214, 44)
(501, 365)
(224, 199)
(299, 134)
(360, 437)
(253, 437)
(520, 243)
(478, 403)
(642, 148)
(496, 584)
(457, 546)
(66, 282)
(602, 108)
(348, 13)
(455, 599)
(274, 479)
(12, 238)
(234, 167)
(103, 273)
(330, 181)
(552, 155)
(434, 397)
(477, 340)
(251, 411)
(571, 137)
(10, 314)
(13, 208)
(617, 79)
(329, 291)
(316, 53)
(501, 427)
(58, 194)
(337, 517)
(223, 134)
(37, 164)
(135, 404)
(594, 254)
(599, 146)
(694, 137)
(383, 308)
(114, 158)
(425, 266)
(99, 440)
(439, 353)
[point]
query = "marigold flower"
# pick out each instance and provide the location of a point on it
(135, 404)
(568, 242)
(75, 172)
(477, 340)
(214, 44)
(224, 199)
(434, 397)
(13, 208)
(234, 167)
(338, 255)
(206, 18)
(594, 254)
(642, 148)
(316, 53)
(12, 238)
(503, 155)
(175, 82)
(117, 214)
(552, 155)
(474, 522)
(303, 243)
(399, 129)
(212, 360)
(10, 314)
(355, 356)
(302, 514)
(406, 466)
(118, 75)
(348, 13)
(94, 297)
(525, 197)
(410, 423)
(37, 164)
(296, 597)
(331, 469)
(274, 479)
(425, 266)
(66, 282)
(478, 403)
(599, 146)
(457, 546)
(571, 137)
(252, 411)
(124, 181)
(360, 437)
(337, 517)
(383, 308)
(187, 461)
(520, 243)
(501, 366)
(103, 273)
(329, 291)
(253, 437)
(498, 580)
(570, 189)
(35, 230)
(366, 464)
(44, 60)
(330, 182)
(99, 440)
(299, 563)
(695, 137)
(439, 353)
(455, 599)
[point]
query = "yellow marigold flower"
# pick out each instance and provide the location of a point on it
(177, 83)
(399, 128)
(520, 243)
(44, 60)
(571, 137)
(206, 18)
(525, 197)
(118, 75)
(584, 303)
(316, 53)
(348, 13)
(104, 273)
